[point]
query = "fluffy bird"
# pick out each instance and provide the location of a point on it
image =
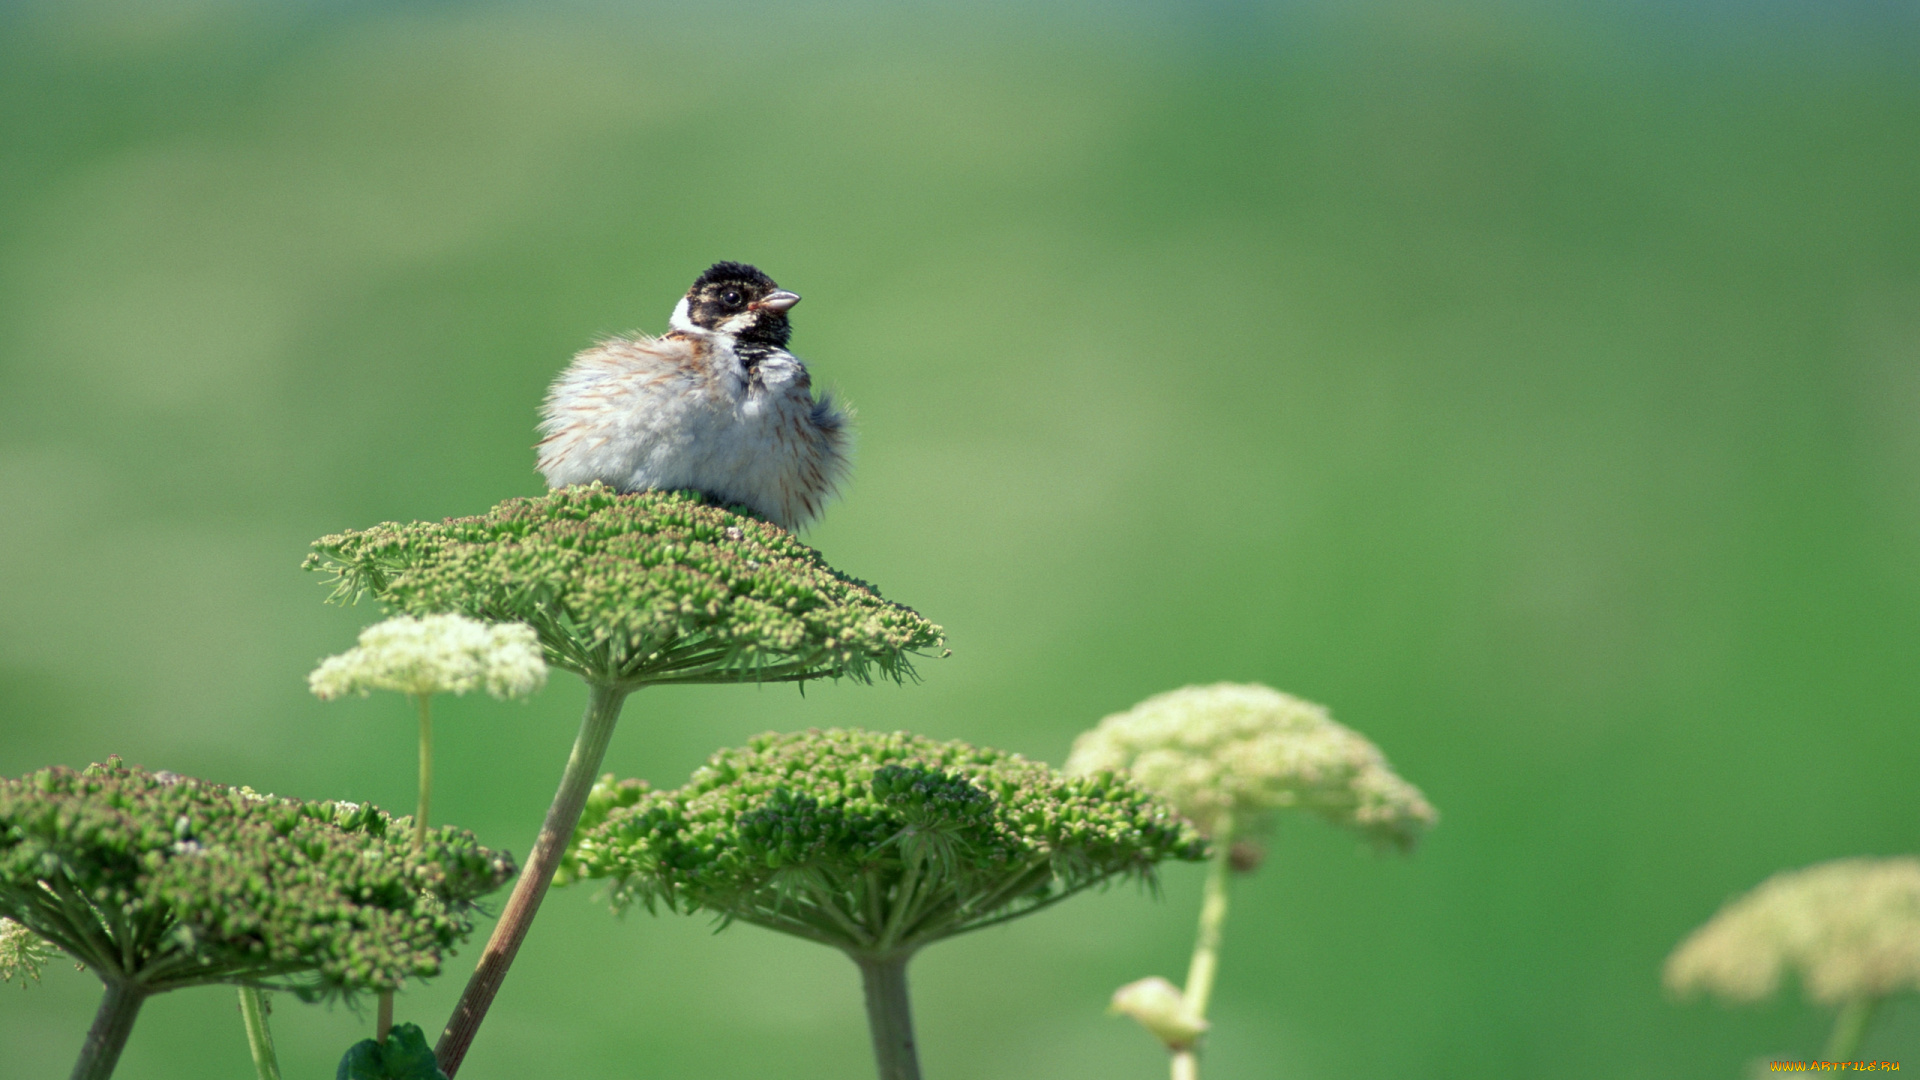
(716, 404)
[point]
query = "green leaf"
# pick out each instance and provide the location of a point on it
(404, 1056)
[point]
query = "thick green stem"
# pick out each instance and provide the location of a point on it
(108, 1036)
(253, 1010)
(589, 747)
(383, 1017)
(890, 1015)
(1850, 1027)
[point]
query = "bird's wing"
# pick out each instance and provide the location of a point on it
(602, 398)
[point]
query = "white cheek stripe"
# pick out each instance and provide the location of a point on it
(680, 320)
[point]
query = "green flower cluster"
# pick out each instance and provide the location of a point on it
(647, 588)
(876, 844)
(158, 882)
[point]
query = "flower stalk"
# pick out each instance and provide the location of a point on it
(253, 1011)
(1213, 916)
(1206, 947)
(421, 657)
(426, 773)
(889, 1015)
(1230, 757)
(119, 1008)
(604, 701)
(383, 1016)
(1850, 1027)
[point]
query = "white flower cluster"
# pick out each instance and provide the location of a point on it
(1237, 752)
(437, 654)
(22, 953)
(1849, 929)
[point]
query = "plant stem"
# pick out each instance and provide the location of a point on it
(1206, 946)
(426, 771)
(253, 1009)
(1850, 1027)
(890, 1015)
(383, 1019)
(1213, 914)
(108, 1036)
(589, 747)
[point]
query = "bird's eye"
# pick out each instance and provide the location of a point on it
(732, 297)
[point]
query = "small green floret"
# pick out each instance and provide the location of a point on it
(874, 843)
(647, 588)
(156, 882)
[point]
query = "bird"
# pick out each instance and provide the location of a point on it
(716, 404)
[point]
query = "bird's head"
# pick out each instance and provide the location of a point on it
(737, 300)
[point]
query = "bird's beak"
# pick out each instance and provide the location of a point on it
(778, 300)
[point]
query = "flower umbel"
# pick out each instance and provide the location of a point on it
(436, 654)
(1229, 755)
(873, 842)
(420, 657)
(1850, 929)
(876, 844)
(1159, 1007)
(642, 589)
(211, 884)
(158, 882)
(22, 953)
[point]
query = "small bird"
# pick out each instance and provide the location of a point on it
(716, 404)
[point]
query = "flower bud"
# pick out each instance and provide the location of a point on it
(1160, 1008)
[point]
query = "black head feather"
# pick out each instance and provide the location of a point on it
(737, 273)
(726, 290)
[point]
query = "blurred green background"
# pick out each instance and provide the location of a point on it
(1536, 384)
